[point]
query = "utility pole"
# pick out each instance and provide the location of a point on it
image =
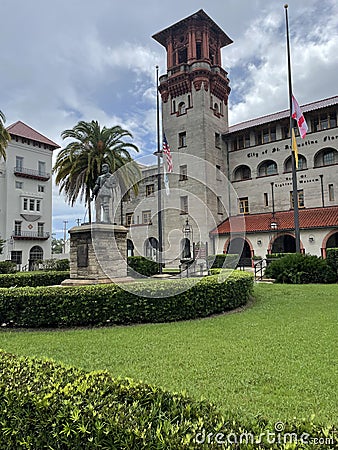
(78, 221)
(64, 235)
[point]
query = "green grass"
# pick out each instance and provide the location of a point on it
(278, 358)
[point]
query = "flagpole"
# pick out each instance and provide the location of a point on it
(294, 172)
(159, 178)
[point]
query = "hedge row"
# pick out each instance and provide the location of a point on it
(332, 259)
(139, 265)
(32, 279)
(301, 269)
(47, 405)
(145, 301)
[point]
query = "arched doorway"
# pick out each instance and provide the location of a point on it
(130, 248)
(35, 254)
(151, 249)
(284, 243)
(332, 241)
(240, 246)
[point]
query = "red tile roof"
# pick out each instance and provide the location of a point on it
(22, 130)
(253, 223)
(283, 114)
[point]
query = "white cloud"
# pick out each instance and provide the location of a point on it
(63, 61)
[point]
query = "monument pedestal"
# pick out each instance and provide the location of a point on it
(98, 254)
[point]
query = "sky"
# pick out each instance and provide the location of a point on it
(63, 61)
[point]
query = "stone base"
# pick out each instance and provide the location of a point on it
(83, 282)
(98, 253)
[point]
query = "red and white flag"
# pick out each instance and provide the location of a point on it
(298, 116)
(167, 153)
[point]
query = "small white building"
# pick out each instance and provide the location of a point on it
(26, 197)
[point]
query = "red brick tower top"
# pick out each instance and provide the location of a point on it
(194, 55)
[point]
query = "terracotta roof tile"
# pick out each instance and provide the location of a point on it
(22, 130)
(253, 223)
(283, 114)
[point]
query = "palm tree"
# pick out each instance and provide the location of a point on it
(4, 136)
(78, 165)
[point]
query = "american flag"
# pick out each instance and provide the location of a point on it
(167, 153)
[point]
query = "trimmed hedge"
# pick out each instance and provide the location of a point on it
(300, 269)
(139, 265)
(111, 304)
(33, 279)
(332, 259)
(7, 267)
(47, 405)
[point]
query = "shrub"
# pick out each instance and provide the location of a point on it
(332, 259)
(222, 260)
(7, 267)
(110, 304)
(299, 269)
(32, 279)
(48, 405)
(139, 265)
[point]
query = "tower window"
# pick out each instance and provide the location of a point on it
(183, 56)
(181, 108)
(150, 189)
(183, 173)
(198, 50)
(217, 140)
(174, 106)
(219, 205)
(182, 139)
(184, 204)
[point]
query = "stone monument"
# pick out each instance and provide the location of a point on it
(98, 251)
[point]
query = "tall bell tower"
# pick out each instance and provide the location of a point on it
(194, 94)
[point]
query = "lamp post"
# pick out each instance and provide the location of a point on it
(188, 235)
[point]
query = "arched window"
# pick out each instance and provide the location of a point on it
(181, 108)
(151, 248)
(302, 163)
(174, 106)
(326, 157)
(216, 109)
(242, 173)
(267, 167)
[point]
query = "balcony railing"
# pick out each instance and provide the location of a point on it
(31, 173)
(31, 235)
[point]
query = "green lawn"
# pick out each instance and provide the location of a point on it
(278, 358)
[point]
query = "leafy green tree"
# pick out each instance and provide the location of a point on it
(78, 164)
(57, 246)
(4, 136)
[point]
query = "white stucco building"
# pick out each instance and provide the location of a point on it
(26, 196)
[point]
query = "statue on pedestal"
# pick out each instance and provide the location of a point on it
(106, 191)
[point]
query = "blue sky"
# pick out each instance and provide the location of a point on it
(65, 61)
